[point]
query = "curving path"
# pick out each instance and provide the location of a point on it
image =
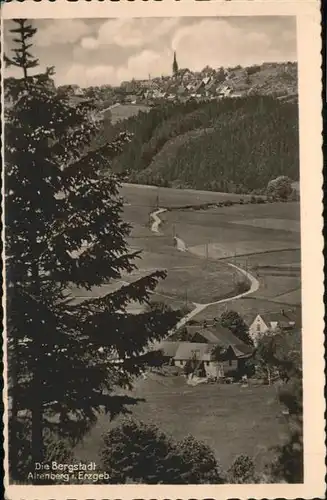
(156, 220)
(200, 307)
(180, 244)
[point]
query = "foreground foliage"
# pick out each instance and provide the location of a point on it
(64, 227)
(280, 354)
(141, 453)
(235, 323)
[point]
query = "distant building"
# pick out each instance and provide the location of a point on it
(202, 347)
(223, 90)
(282, 320)
(206, 80)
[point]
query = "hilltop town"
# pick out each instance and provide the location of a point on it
(276, 79)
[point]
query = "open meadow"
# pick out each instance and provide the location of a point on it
(231, 419)
(189, 279)
(263, 239)
(148, 196)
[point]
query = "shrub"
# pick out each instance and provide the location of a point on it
(138, 452)
(288, 463)
(199, 461)
(279, 189)
(242, 471)
(294, 196)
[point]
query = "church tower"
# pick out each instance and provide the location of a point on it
(175, 64)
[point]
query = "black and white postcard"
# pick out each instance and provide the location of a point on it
(162, 212)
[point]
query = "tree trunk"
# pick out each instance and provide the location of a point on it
(12, 389)
(37, 389)
(269, 375)
(12, 385)
(37, 430)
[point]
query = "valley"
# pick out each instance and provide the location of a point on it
(213, 238)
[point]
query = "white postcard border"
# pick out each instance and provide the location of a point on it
(311, 162)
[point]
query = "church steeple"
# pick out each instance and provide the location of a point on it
(175, 64)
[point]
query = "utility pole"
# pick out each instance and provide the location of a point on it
(174, 231)
(157, 200)
(207, 253)
(186, 298)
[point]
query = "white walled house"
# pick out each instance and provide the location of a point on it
(257, 328)
(200, 347)
(283, 320)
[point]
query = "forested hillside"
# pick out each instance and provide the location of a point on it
(229, 144)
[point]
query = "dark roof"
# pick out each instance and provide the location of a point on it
(186, 350)
(283, 317)
(218, 335)
(168, 348)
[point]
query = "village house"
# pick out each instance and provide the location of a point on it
(216, 351)
(202, 354)
(280, 320)
(223, 90)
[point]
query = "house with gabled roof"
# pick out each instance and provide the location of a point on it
(168, 349)
(285, 320)
(202, 357)
(216, 351)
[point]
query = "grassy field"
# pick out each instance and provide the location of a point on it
(189, 279)
(293, 297)
(147, 196)
(248, 307)
(229, 230)
(269, 250)
(229, 418)
(264, 239)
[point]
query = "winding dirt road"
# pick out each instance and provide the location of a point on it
(200, 307)
(156, 220)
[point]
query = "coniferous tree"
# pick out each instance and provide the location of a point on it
(22, 58)
(235, 323)
(63, 227)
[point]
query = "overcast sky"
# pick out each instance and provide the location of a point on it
(108, 51)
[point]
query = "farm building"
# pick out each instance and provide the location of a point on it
(283, 319)
(229, 360)
(168, 350)
(201, 355)
(214, 350)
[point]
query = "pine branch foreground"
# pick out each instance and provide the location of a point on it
(64, 227)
